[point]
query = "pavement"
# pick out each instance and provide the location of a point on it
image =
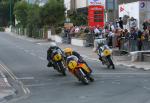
(88, 53)
(26, 62)
(6, 90)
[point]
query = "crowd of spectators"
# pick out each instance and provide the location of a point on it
(116, 34)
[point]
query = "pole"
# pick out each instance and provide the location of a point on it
(10, 15)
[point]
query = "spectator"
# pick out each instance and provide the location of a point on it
(145, 24)
(126, 34)
(133, 23)
(133, 39)
(110, 38)
(96, 32)
(77, 29)
(121, 23)
(140, 40)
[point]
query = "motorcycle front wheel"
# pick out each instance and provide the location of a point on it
(62, 68)
(82, 77)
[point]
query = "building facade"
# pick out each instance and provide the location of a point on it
(111, 6)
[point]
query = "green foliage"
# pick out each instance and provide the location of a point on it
(33, 20)
(33, 17)
(2, 29)
(58, 30)
(78, 18)
(53, 12)
(4, 13)
(21, 12)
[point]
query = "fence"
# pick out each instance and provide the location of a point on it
(124, 44)
(132, 45)
(34, 33)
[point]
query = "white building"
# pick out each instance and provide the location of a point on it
(81, 3)
(75, 4)
(139, 10)
(67, 4)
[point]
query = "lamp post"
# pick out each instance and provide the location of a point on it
(10, 13)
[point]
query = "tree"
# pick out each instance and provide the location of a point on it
(4, 13)
(78, 18)
(33, 19)
(53, 13)
(21, 12)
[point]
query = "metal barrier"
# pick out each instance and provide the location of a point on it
(132, 45)
(146, 45)
(66, 38)
(35, 33)
(89, 40)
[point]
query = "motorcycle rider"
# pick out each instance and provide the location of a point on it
(101, 47)
(69, 51)
(52, 47)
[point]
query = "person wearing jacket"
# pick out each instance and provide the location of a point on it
(52, 47)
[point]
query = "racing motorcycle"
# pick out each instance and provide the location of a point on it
(58, 61)
(79, 70)
(105, 57)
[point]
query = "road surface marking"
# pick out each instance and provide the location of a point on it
(21, 48)
(122, 74)
(26, 91)
(37, 85)
(9, 72)
(93, 59)
(146, 88)
(33, 54)
(25, 78)
(42, 58)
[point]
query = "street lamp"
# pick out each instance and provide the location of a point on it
(10, 13)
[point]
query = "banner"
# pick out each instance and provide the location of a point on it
(96, 2)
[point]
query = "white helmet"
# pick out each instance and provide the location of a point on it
(52, 44)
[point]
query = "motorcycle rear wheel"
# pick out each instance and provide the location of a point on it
(110, 62)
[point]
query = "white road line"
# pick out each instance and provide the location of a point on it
(42, 58)
(93, 59)
(9, 72)
(17, 46)
(21, 48)
(26, 91)
(25, 78)
(26, 51)
(37, 85)
(146, 88)
(146, 80)
(33, 54)
(122, 74)
(39, 43)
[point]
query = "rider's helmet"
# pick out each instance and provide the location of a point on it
(53, 44)
(68, 51)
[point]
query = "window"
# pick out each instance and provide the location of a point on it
(98, 12)
(98, 20)
(98, 17)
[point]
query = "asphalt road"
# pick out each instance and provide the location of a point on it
(26, 63)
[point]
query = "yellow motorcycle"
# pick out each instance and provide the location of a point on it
(79, 70)
(105, 57)
(58, 61)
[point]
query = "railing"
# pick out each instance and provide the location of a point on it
(34, 33)
(132, 45)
